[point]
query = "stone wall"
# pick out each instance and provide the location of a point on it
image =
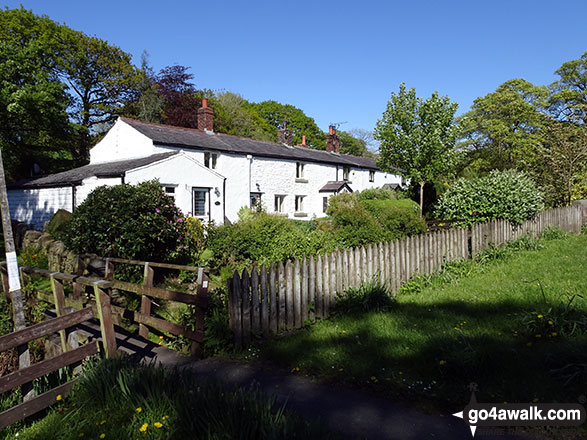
(60, 259)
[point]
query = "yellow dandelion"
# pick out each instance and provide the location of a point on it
(554, 333)
(442, 362)
(139, 409)
(102, 435)
(157, 424)
(102, 422)
(164, 417)
(58, 397)
(144, 427)
(160, 337)
(550, 322)
(340, 369)
(540, 316)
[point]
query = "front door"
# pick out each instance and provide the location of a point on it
(201, 203)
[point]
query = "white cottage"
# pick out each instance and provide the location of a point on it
(210, 175)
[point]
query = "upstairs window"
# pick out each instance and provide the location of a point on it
(210, 160)
(345, 173)
(299, 170)
(371, 176)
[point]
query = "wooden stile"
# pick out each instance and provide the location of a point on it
(59, 297)
(105, 316)
(148, 275)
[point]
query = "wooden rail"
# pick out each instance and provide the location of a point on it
(69, 355)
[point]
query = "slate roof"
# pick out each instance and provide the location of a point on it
(106, 169)
(335, 187)
(191, 138)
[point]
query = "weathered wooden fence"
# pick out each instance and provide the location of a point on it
(270, 299)
(70, 353)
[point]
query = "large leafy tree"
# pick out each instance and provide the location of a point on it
(301, 124)
(100, 77)
(504, 128)
(417, 136)
(569, 93)
(33, 101)
(236, 116)
(180, 98)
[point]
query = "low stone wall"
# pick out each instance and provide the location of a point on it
(60, 259)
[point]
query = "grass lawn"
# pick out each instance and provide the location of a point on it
(513, 324)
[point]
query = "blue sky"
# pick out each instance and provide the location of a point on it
(340, 60)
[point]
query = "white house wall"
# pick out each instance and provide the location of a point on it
(37, 206)
(184, 174)
(90, 184)
(121, 142)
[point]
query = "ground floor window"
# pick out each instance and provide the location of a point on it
(169, 190)
(201, 202)
(279, 203)
(300, 203)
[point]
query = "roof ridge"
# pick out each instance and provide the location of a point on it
(220, 135)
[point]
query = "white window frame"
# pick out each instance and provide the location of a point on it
(299, 170)
(210, 159)
(279, 202)
(206, 214)
(299, 203)
(166, 186)
(346, 173)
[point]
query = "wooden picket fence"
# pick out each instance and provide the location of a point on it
(268, 300)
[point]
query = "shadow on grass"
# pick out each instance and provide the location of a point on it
(433, 352)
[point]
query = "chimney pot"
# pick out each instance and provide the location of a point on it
(332, 140)
(204, 102)
(331, 130)
(303, 140)
(285, 135)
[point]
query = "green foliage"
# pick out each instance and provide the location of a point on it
(297, 121)
(569, 93)
(417, 136)
(372, 216)
(135, 222)
(554, 233)
(509, 195)
(263, 239)
(34, 256)
(117, 398)
(58, 223)
(372, 296)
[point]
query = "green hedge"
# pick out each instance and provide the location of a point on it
(509, 195)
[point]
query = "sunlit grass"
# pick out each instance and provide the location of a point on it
(514, 325)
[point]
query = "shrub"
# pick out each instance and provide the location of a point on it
(135, 222)
(377, 194)
(398, 218)
(370, 297)
(509, 195)
(354, 226)
(58, 223)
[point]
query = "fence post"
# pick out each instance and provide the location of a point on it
(289, 294)
(281, 317)
(264, 302)
(326, 286)
(105, 316)
(319, 287)
(255, 312)
(273, 323)
(148, 275)
(59, 297)
(246, 307)
(312, 288)
(202, 294)
(236, 314)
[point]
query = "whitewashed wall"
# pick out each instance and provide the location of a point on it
(121, 142)
(90, 184)
(37, 206)
(184, 172)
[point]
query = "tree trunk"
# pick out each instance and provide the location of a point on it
(422, 197)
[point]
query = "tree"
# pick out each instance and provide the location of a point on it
(33, 101)
(236, 116)
(569, 93)
(302, 125)
(504, 128)
(351, 145)
(146, 104)
(564, 159)
(180, 98)
(417, 136)
(100, 79)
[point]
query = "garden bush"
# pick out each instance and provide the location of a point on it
(398, 218)
(510, 195)
(125, 221)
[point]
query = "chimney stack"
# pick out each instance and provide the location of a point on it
(285, 135)
(332, 140)
(303, 144)
(205, 116)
